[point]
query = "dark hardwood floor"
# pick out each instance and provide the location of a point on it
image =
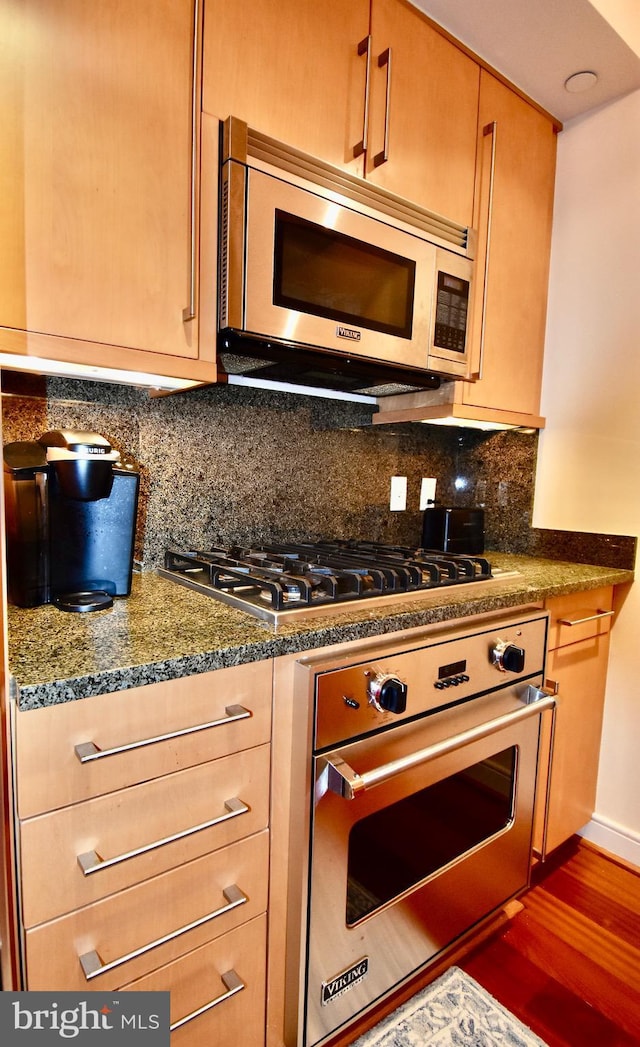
(568, 963)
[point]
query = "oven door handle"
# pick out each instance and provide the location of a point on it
(345, 782)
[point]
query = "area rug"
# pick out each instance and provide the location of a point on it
(454, 1011)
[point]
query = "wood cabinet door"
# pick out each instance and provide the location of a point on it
(579, 626)
(514, 205)
(432, 115)
(291, 69)
(580, 672)
(95, 216)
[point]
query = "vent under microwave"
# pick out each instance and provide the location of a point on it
(327, 280)
(261, 362)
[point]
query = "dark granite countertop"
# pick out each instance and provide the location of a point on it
(164, 631)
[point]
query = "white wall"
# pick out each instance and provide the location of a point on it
(623, 16)
(589, 459)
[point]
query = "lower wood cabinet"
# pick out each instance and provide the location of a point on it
(143, 843)
(577, 668)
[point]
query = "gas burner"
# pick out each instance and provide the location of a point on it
(280, 581)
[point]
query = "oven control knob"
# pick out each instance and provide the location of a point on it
(387, 693)
(507, 657)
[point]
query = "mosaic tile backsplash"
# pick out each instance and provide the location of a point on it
(229, 464)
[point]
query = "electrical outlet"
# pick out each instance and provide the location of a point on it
(398, 498)
(427, 491)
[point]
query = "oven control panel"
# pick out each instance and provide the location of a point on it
(435, 671)
(452, 675)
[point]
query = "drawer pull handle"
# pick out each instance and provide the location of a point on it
(87, 751)
(93, 966)
(91, 861)
(589, 618)
(233, 985)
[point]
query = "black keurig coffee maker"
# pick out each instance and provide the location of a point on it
(70, 520)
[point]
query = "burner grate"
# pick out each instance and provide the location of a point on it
(269, 579)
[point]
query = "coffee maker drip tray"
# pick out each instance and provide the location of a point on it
(94, 600)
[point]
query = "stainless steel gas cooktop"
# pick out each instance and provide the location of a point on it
(280, 582)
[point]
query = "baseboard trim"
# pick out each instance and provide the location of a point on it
(617, 839)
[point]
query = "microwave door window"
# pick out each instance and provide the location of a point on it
(326, 273)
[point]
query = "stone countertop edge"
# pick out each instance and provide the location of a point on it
(164, 631)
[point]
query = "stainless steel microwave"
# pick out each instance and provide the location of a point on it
(323, 273)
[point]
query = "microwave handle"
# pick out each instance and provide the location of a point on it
(364, 47)
(346, 782)
(489, 129)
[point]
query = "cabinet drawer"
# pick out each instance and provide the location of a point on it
(136, 931)
(196, 985)
(131, 736)
(578, 616)
(135, 833)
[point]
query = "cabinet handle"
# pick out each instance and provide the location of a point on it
(364, 47)
(589, 618)
(381, 158)
(88, 751)
(93, 966)
(91, 861)
(189, 313)
(233, 985)
(554, 688)
(489, 129)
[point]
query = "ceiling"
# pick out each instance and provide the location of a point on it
(537, 44)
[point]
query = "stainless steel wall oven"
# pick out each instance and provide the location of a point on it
(417, 806)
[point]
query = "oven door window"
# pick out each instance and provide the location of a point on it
(321, 271)
(399, 846)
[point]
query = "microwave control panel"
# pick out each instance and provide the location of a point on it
(452, 306)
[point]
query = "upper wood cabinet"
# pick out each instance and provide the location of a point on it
(328, 79)
(290, 69)
(514, 208)
(424, 96)
(98, 229)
